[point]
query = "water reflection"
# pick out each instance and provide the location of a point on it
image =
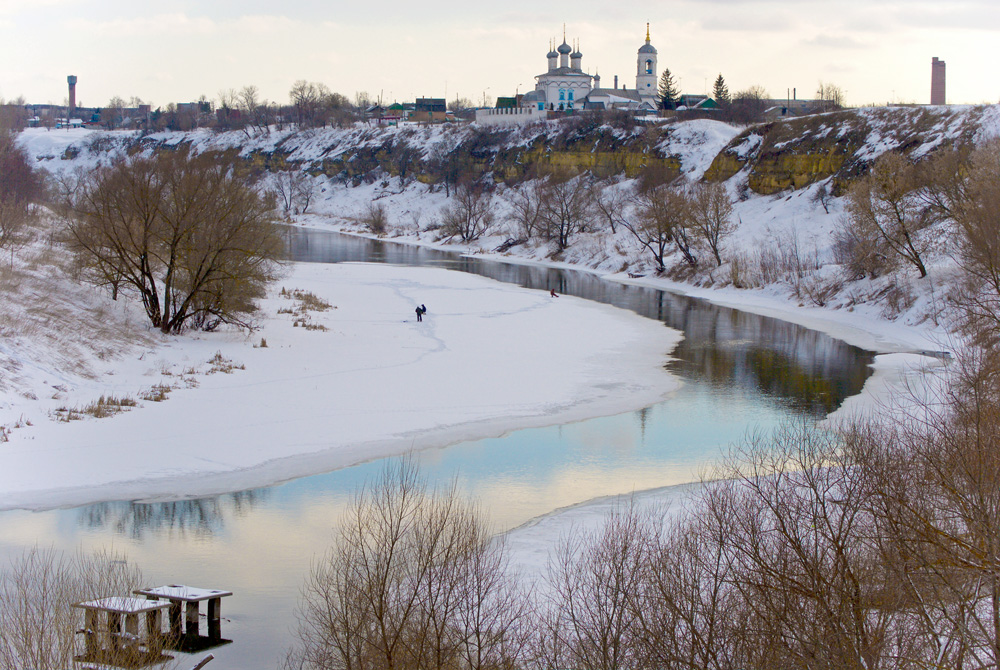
(180, 518)
(810, 371)
(741, 372)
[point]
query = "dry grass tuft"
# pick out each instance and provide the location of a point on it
(222, 364)
(306, 302)
(101, 408)
(156, 393)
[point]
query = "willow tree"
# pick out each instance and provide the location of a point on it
(193, 239)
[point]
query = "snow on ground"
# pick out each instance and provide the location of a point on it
(765, 221)
(487, 359)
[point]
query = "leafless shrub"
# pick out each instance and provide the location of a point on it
(820, 291)
(308, 301)
(156, 393)
(711, 216)
(885, 204)
(860, 253)
(526, 205)
(565, 208)
(898, 298)
(375, 218)
(662, 217)
(20, 187)
(38, 589)
(294, 188)
(469, 215)
(415, 579)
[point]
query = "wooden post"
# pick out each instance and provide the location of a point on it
(214, 618)
(91, 643)
(176, 633)
(131, 639)
(154, 631)
(191, 623)
(114, 630)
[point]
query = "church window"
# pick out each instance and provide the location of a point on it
(541, 106)
(562, 94)
(649, 67)
(571, 95)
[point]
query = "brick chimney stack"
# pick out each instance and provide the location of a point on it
(71, 80)
(937, 82)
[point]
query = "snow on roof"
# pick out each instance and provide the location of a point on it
(181, 592)
(123, 605)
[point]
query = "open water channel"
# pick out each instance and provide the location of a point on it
(740, 372)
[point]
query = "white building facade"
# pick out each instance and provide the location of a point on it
(566, 87)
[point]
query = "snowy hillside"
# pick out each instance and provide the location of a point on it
(785, 179)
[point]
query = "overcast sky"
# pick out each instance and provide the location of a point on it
(877, 51)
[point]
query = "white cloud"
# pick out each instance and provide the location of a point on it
(827, 41)
(176, 24)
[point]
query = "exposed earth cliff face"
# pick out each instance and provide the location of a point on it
(775, 156)
(798, 152)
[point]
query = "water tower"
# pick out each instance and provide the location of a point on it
(71, 80)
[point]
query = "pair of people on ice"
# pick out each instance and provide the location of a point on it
(421, 310)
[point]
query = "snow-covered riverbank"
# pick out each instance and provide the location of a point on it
(364, 381)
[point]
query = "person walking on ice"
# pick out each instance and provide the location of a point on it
(421, 310)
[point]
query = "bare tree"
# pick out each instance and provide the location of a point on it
(712, 216)
(294, 188)
(305, 98)
(469, 216)
(800, 538)
(661, 219)
(38, 589)
(596, 578)
(189, 236)
(885, 204)
(256, 111)
(526, 205)
(976, 199)
(611, 201)
(113, 114)
(413, 580)
(748, 105)
(689, 613)
(933, 477)
(20, 187)
(830, 96)
(565, 209)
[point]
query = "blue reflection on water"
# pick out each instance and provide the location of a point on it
(741, 373)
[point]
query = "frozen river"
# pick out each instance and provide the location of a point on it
(740, 372)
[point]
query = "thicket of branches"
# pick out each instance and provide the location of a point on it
(38, 589)
(188, 235)
(415, 579)
(20, 188)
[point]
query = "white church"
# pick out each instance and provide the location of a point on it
(564, 87)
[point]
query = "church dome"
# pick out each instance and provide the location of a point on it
(565, 48)
(576, 54)
(552, 54)
(647, 48)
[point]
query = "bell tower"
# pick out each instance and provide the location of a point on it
(645, 72)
